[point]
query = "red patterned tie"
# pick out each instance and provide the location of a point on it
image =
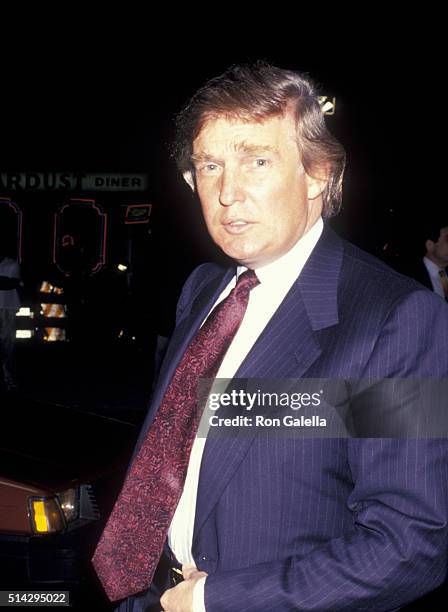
(132, 542)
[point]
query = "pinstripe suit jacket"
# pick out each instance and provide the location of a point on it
(323, 524)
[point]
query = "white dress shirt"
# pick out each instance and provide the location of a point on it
(433, 271)
(276, 279)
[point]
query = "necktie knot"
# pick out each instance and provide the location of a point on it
(247, 281)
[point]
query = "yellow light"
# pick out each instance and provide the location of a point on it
(47, 287)
(54, 311)
(122, 267)
(40, 518)
(46, 516)
(54, 334)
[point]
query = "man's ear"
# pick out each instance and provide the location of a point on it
(429, 244)
(188, 178)
(317, 182)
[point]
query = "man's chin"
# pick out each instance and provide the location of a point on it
(244, 253)
(242, 258)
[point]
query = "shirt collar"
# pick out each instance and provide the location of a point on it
(284, 270)
(432, 268)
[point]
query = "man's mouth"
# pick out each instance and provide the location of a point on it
(238, 226)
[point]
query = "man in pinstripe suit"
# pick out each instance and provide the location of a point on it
(427, 269)
(279, 524)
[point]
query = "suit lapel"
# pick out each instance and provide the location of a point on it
(188, 327)
(287, 348)
(180, 340)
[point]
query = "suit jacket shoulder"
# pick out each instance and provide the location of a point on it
(199, 279)
(374, 278)
(357, 303)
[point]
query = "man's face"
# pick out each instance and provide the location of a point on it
(256, 198)
(439, 249)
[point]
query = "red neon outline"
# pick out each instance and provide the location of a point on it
(103, 216)
(19, 214)
(128, 206)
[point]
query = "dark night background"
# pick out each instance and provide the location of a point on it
(67, 106)
(101, 98)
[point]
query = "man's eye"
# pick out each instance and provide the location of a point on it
(261, 162)
(208, 168)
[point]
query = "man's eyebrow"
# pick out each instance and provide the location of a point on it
(200, 157)
(253, 149)
(240, 147)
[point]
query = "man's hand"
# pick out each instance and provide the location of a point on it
(180, 597)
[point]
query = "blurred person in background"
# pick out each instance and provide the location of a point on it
(9, 304)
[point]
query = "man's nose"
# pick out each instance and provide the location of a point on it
(231, 188)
